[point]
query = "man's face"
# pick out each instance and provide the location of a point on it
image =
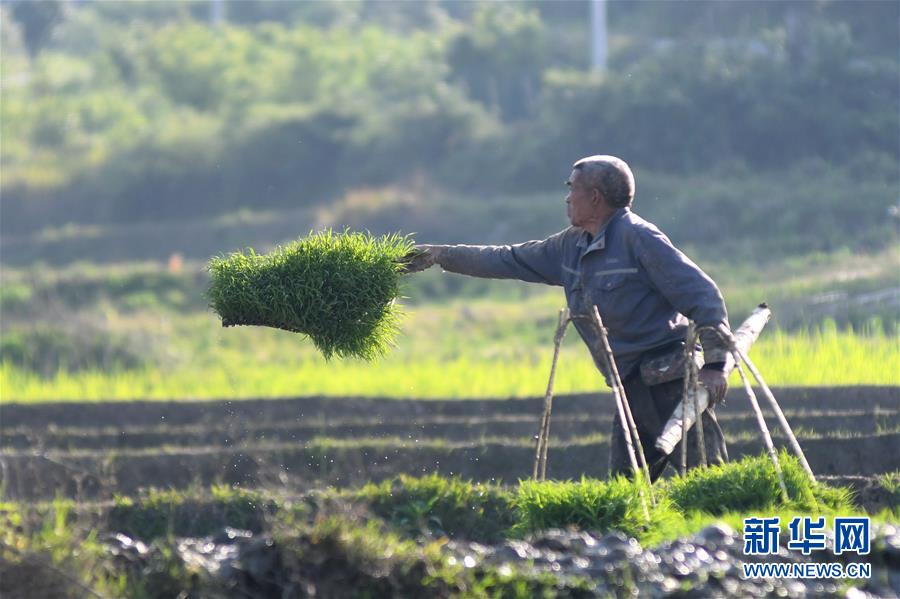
(580, 205)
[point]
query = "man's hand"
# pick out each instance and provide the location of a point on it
(715, 382)
(422, 257)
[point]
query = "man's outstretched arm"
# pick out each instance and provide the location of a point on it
(532, 261)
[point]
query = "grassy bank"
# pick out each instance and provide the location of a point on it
(397, 527)
(446, 353)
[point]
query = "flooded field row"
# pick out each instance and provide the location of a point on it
(94, 451)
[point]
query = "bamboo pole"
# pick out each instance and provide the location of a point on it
(770, 447)
(701, 440)
(689, 388)
(543, 440)
(740, 354)
(629, 429)
(691, 373)
(782, 420)
(539, 443)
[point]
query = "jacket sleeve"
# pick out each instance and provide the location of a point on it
(532, 261)
(690, 290)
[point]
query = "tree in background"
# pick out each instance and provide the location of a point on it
(37, 19)
(499, 58)
(141, 111)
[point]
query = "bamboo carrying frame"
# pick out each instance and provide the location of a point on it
(629, 430)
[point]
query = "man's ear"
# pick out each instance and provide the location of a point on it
(596, 196)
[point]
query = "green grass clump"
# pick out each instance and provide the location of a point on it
(890, 482)
(337, 288)
(158, 514)
(752, 484)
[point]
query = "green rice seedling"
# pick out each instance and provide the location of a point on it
(890, 482)
(590, 505)
(337, 288)
(752, 484)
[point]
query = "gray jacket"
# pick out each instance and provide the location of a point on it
(642, 285)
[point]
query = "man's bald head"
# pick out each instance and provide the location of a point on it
(609, 175)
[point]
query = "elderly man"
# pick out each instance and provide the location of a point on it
(644, 288)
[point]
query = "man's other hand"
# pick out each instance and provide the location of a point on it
(422, 257)
(715, 382)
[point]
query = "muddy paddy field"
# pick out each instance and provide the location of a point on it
(92, 450)
(281, 498)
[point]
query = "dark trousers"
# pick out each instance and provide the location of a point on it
(651, 408)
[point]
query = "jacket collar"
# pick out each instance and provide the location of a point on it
(599, 242)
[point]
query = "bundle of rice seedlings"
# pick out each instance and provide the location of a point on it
(590, 504)
(752, 484)
(337, 288)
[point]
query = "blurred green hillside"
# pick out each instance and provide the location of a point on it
(141, 138)
(135, 130)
